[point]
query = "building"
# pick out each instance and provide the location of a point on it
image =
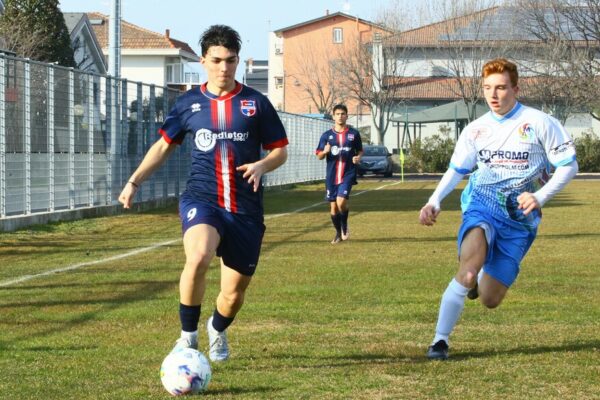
(148, 56)
(256, 75)
(302, 64)
(442, 63)
(87, 51)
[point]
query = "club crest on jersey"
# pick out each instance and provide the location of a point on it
(526, 133)
(248, 107)
(351, 136)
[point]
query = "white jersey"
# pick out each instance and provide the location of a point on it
(512, 154)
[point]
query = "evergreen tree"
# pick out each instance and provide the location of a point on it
(36, 29)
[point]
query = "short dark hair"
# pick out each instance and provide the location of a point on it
(220, 35)
(340, 107)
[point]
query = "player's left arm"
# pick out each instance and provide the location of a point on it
(560, 151)
(359, 150)
(254, 171)
(563, 175)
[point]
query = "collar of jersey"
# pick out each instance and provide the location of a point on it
(235, 91)
(346, 129)
(502, 118)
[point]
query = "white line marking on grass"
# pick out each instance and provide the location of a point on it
(73, 267)
(85, 264)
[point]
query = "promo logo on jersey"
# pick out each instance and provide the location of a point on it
(335, 150)
(196, 107)
(526, 133)
(205, 139)
(248, 107)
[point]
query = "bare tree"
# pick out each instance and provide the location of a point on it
(316, 76)
(467, 38)
(568, 56)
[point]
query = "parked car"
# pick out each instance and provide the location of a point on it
(376, 160)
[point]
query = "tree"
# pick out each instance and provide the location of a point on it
(569, 33)
(36, 29)
(316, 77)
(466, 37)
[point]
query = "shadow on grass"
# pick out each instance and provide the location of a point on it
(145, 291)
(593, 345)
(238, 390)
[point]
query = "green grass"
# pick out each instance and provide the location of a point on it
(350, 321)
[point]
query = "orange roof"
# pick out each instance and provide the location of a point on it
(135, 37)
(444, 88)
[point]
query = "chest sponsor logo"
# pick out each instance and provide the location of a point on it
(205, 139)
(248, 107)
(335, 150)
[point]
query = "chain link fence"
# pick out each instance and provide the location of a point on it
(69, 140)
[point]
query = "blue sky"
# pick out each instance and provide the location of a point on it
(253, 19)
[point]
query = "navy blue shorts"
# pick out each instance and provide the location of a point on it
(241, 235)
(507, 245)
(341, 190)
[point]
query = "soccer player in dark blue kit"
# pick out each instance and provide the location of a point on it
(221, 209)
(342, 147)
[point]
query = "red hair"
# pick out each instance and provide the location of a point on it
(500, 66)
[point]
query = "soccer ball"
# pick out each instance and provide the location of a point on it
(185, 371)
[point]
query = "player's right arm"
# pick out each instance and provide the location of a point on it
(154, 158)
(431, 210)
(323, 153)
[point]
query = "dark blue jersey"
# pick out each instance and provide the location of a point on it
(344, 146)
(227, 132)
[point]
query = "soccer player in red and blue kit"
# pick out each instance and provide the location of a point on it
(342, 146)
(221, 209)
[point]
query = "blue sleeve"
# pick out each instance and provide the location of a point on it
(172, 130)
(272, 131)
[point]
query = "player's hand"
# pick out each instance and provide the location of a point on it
(327, 148)
(253, 172)
(127, 195)
(355, 159)
(527, 202)
(428, 214)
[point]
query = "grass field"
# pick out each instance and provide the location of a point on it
(350, 321)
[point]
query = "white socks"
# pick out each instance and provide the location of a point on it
(191, 336)
(452, 304)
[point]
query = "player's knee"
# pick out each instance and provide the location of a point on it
(467, 276)
(198, 263)
(233, 300)
(490, 301)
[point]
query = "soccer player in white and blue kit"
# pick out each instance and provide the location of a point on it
(508, 152)
(221, 210)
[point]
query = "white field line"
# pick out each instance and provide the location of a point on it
(73, 267)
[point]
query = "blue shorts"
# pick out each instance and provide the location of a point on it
(507, 245)
(341, 190)
(241, 235)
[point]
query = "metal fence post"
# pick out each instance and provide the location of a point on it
(71, 139)
(110, 135)
(90, 140)
(27, 98)
(51, 170)
(2, 138)
(140, 135)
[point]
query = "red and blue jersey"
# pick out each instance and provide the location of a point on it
(227, 131)
(344, 146)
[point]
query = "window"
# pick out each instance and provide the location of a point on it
(337, 35)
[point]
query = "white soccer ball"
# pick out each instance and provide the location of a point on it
(185, 371)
